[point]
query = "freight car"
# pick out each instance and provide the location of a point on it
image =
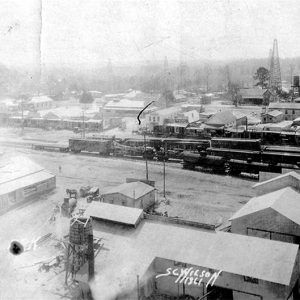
(215, 163)
(103, 147)
(45, 147)
(243, 149)
(236, 167)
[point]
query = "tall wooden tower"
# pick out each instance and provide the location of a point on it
(275, 74)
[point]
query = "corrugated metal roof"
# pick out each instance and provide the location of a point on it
(114, 213)
(17, 167)
(133, 190)
(285, 201)
(25, 181)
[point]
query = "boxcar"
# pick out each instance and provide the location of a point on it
(103, 147)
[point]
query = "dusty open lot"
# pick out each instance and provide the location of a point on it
(193, 195)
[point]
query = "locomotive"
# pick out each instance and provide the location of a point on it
(235, 156)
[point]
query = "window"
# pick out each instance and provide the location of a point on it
(157, 119)
(30, 190)
(293, 112)
(251, 279)
(286, 111)
(124, 203)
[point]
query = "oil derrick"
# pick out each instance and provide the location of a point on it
(80, 249)
(275, 75)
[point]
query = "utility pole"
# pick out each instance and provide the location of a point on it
(83, 131)
(164, 161)
(145, 154)
(22, 109)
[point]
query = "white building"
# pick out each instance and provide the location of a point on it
(22, 179)
(123, 107)
(41, 102)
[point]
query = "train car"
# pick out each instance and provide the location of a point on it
(232, 143)
(289, 149)
(214, 163)
(103, 147)
(231, 148)
(45, 147)
(227, 153)
(236, 167)
(276, 157)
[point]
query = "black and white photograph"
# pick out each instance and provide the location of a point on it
(149, 149)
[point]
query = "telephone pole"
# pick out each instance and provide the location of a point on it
(164, 161)
(145, 154)
(83, 123)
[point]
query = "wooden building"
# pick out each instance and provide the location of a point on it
(133, 194)
(274, 216)
(20, 180)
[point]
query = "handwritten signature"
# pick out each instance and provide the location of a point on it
(191, 276)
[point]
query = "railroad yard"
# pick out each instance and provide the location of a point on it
(195, 196)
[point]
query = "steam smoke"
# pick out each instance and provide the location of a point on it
(118, 279)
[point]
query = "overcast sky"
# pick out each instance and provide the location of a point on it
(92, 31)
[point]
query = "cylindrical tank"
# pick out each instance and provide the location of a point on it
(296, 81)
(80, 229)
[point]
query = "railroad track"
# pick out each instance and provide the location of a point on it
(52, 148)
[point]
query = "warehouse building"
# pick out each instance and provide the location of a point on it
(133, 194)
(274, 216)
(216, 265)
(20, 180)
(290, 179)
(123, 108)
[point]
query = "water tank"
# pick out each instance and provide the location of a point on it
(80, 229)
(296, 81)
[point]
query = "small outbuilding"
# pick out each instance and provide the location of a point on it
(273, 116)
(134, 194)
